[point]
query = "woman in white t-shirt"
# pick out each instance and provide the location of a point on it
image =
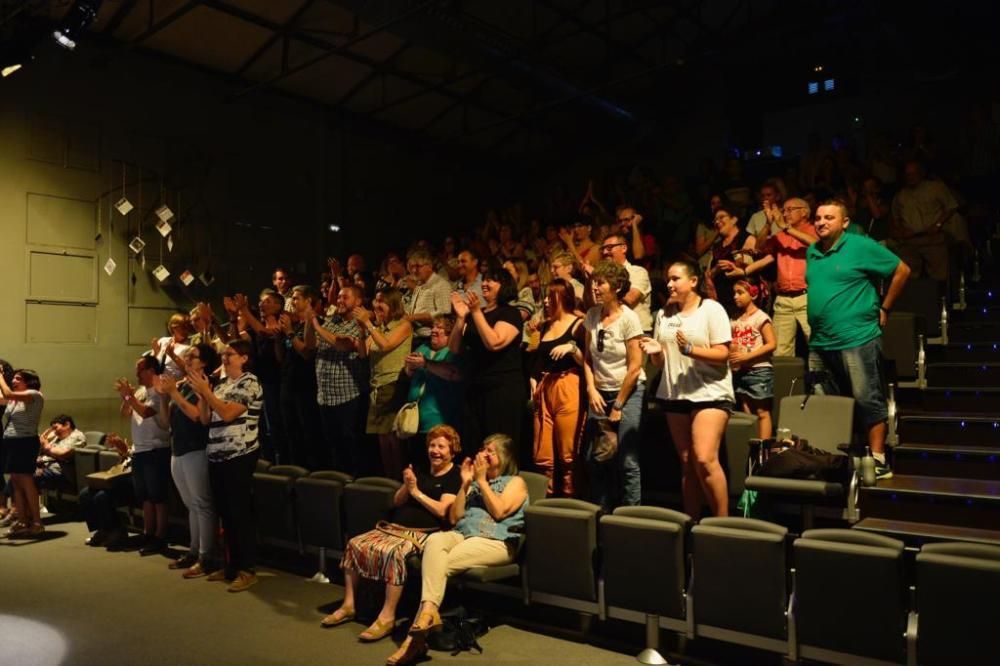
(691, 337)
(615, 385)
(169, 350)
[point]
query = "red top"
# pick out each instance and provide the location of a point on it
(790, 254)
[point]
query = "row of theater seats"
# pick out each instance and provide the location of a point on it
(831, 595)
(839, 596)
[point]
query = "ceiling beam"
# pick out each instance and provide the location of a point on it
(164, 22)
(273, 39)
(122, 13)
(364, 82)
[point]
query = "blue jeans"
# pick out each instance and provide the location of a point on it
(856, 373)
(618, 482)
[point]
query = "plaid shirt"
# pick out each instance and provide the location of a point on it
(340, 376)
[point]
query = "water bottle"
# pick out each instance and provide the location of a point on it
(868, 468)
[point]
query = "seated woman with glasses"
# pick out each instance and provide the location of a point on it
(615, 385)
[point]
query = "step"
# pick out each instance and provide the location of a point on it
(964, 352)
(966, 375)
(947, 460)
(932, 499)
(956, 428)
(973, 331)
(961, 399)
(916, 534)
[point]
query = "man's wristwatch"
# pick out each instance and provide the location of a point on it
(617, 405)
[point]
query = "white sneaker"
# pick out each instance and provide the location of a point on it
(43, 510)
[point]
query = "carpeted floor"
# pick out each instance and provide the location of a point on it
(62, 602)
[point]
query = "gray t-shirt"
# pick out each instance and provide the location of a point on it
(74, 440)
(146, 432)
(22, 417)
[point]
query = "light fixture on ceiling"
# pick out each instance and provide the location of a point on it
(9, 69)
(79, 17)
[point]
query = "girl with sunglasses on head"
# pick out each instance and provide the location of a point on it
(691, 336)
(615, 380)
(750, 356)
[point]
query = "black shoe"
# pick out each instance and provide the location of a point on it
(153, 546)
(98, 538)
(117, 541)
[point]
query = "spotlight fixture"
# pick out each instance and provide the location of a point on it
(79, 17)
(9, 69)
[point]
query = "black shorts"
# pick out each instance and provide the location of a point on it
(151, 475)
(20, 454)
(688, 406)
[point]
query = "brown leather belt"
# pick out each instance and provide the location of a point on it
(792, 294)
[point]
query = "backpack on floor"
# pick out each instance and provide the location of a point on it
(459, 633)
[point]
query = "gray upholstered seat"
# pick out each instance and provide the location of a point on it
(643, 571)
(789, 379)
(740, 582)
(740, 429)
(957, 584)
(319, 503)
(84, 463)
(262, 465)
(850, 597)
(93, 438)
(826, 421)
(561, 552)
(367, 500)
(274, 504)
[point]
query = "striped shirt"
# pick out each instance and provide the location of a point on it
(239, 436)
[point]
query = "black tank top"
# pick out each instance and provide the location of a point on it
(545, 362)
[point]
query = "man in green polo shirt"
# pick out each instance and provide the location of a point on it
(846, 317)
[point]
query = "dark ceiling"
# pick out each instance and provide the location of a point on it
(518, 77)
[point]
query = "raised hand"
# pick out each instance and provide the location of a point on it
(165, 385)
(155, 346)
(561, 350)
(480, 466)
(229, 305)
(467, 471)
(362, 315)
(199, 382)
(285, 323)
(473, 301)
(681, 339)
(410, 479)
(240, 300)
(650, 346)
(123, 387)
(335, 268)
(459, 305)
(415, 360)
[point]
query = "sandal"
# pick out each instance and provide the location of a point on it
(427, 622)
(338, 617)
(377, 631)
(411, 649)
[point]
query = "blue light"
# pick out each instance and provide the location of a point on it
(991, 459)
(813, 87)
(968, 347)
(829, 84)
(996, 424)
(968, 502)
(989, 294)
(962, 424)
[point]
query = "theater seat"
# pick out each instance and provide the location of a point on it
(955, 582)
(84, 463)
(849, 597)
(561, 553)
(319, 507)
(827, 422)
(274, 505)
(740, 582)
(93, 438)
(366, 501)
(262, 465)
(643, 566)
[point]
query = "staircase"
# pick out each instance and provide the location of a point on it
(946, 465)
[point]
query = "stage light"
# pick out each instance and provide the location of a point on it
(9, 69)
(79, 17)
(334, 228)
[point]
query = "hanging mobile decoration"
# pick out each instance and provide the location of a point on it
(124, 206)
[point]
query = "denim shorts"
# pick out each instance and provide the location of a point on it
(755, 383)
(151, 475)
(855, 373)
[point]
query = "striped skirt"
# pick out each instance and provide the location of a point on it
(377, 555)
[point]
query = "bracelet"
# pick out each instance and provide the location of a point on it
(884, 309)
(686, 350)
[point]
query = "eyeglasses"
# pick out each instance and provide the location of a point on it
(611, 245)
(789, 209)
(600, 340)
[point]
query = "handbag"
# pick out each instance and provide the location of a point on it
(405, 533)
(605, 444)
(105, 479)
(407, 423)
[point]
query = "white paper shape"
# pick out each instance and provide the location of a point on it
(164, 228)
(164, 213)
(187, 277)
(170, 243)
(136, 245)
(161, 273)
(109, 266)
(124, 206)
(207, 278)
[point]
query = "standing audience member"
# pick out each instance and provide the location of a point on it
(791, 234)
(615, 385)
(615, 248)
(189, 462)
(470, 280)
(299, 410)
(488, 515)
(431, 296)
(169, 349)
(282, 281)
(268, 339)
(341, 382)
(556, 389)
(487, 339)
(847, 317)
(920, 212)
(387, 345)
(232, 411)
(151, 452)
(731, 250)
(435, 382)
(750, 357)
(421, 505)
(24, 402)
(691, 344)
(562, 265)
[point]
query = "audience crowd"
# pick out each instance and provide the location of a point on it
(544, 334)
